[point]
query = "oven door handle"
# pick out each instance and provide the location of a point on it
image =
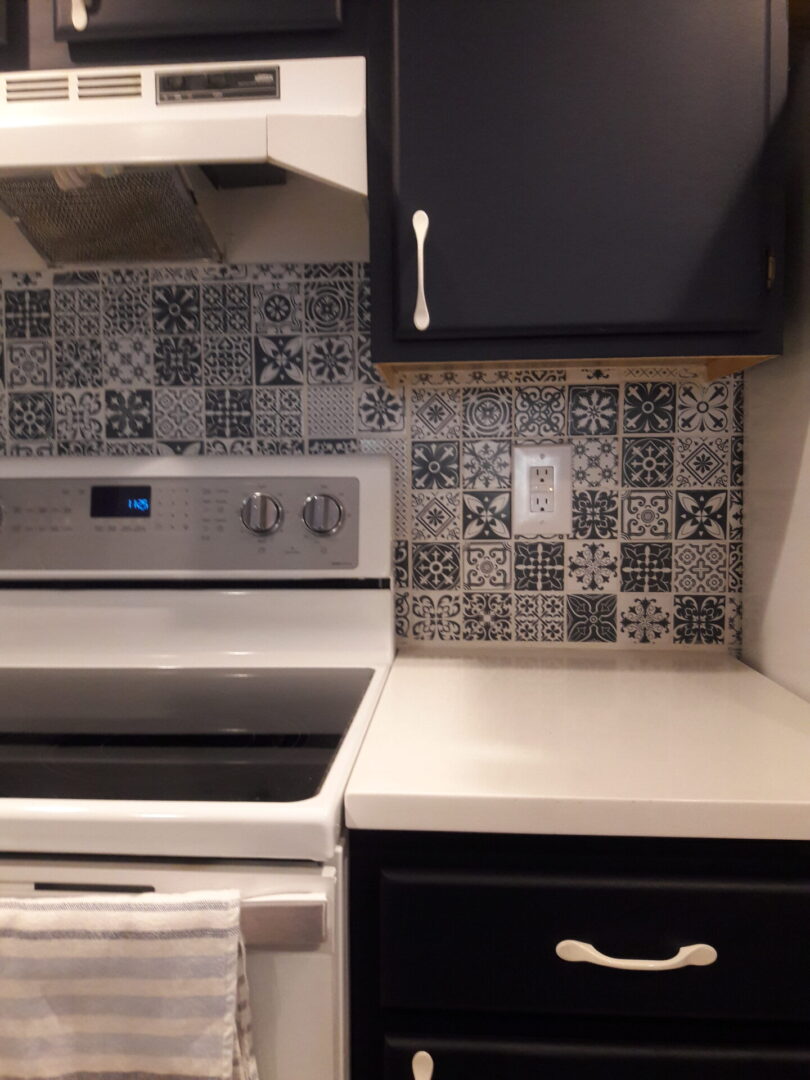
(285, 920)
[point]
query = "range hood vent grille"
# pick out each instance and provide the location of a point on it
(36, 88)
(127, 84)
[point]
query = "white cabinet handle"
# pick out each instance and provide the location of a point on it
(579, 951)
(421, 315)
(78, 13)
(422, 1065)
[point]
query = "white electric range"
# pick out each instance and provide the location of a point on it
(190, 654)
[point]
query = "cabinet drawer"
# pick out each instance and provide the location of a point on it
(486, 942)
(471, 1059)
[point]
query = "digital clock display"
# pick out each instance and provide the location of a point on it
(120, 502)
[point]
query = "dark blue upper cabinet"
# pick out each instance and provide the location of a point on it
(124, 20)
(601, 178)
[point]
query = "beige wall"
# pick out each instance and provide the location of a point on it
(776, 628)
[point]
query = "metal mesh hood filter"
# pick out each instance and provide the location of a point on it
(140, 215)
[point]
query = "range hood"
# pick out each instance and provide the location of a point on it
(140, 163)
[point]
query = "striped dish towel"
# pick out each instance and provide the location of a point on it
(113, 987)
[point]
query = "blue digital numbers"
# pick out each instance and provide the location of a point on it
(138, 506)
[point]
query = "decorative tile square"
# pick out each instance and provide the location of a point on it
(282, 447)
(436, 566)
(704, 407)
(180, 448)
(595, 515)
(279, 360)
(28, 313)
(279, 412)
(333, 446)
(179, 414)
(487, 566)
(487, 515)
(76, 277)
(66, 448)
(367, 371)
(434, 465)
(401, 564)
(329, 306)
(125, 310)
(595, 462)
(735, 568)
(734, 621)
(402, 620)
(29, 366)
(277, 308)
(593, 410)
(487, 413)
(78, 363)
(700, 567)
(227, 360)
(129, 414)
(436, 515)
(539, 412)
(735, 514)
(130, 448)
(488, 616)
(160, 275)
(178, 361)
(647, 515)
(700, 620)
(79, 416)
(128, 361)
(436, 618)
(330, 358)
(76, 312)
(176, 309)
(435, 414)
(592, 565)
(229, 447)
(229, 414)
(486, 463)
(226, 309)
(645, 620)
(701, 515)
(330, 411)
(738, 402)
(125, 275)
(647, 463)
(701, 462)
(363, 304)
(646, 567)
(31, 416)
(591, 618)
(43, 448)
(539, 617)
(275, 272)
(649, 408)
(539, 566)
(381, 409)
(737, 461)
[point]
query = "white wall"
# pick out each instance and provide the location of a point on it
(776, 627)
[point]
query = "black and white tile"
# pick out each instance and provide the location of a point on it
(275, 359)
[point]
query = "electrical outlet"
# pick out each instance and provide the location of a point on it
(541, 490)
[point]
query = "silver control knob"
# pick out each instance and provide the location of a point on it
(323, 514)
(261, 514)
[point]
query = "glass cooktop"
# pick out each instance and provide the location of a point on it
(246, 735)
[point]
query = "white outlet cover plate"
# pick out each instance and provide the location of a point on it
(526, 524)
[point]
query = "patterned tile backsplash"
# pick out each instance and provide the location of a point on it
(274, 359)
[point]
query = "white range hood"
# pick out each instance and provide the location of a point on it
(100, 131)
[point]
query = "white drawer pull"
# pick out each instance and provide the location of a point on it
(581, 952)
(421, 315)
(78, 14)
(422, 1065)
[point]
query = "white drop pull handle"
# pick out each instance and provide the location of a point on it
(78, 14)
(421, 315)
(422, 1065)
(577, 952)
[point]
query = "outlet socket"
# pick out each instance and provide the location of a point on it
(541, 490)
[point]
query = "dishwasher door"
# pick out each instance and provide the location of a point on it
(293, 925)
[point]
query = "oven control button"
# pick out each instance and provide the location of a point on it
(261, 514)
(323, 514)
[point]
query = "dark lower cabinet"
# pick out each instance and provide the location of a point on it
(472, 1059)
(598, 178)
(453, 954)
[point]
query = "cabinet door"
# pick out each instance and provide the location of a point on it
(478, 1060)
(586, 167)
(123, 19)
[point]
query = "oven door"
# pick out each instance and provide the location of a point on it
(292, 921)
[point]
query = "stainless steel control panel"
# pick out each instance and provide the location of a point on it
(251, 524)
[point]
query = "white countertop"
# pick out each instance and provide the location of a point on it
(584, 742)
